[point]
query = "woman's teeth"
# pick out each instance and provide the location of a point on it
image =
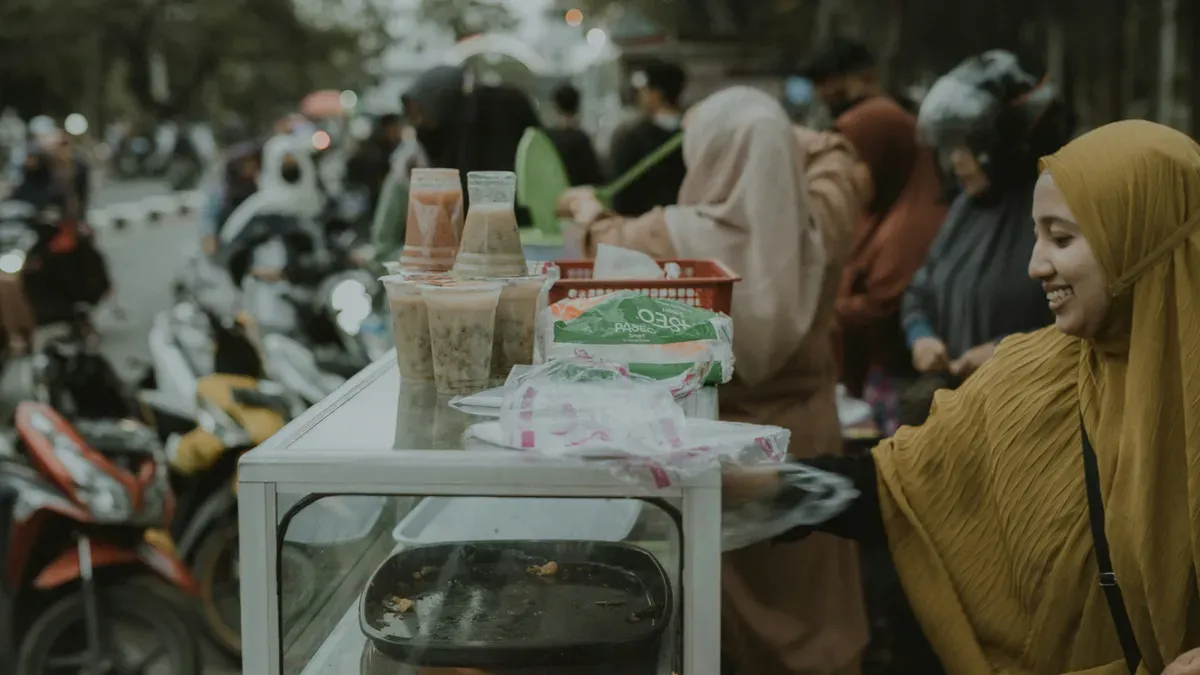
(1059, 296)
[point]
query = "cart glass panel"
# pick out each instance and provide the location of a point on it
(398, 584)
(395, 584)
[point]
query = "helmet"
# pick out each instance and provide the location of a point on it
(991, 106)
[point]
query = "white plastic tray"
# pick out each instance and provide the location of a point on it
(445, 519)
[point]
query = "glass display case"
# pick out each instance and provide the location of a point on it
(371, 542)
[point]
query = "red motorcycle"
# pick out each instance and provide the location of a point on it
(85, 588)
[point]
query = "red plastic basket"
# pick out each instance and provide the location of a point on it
(707, 284)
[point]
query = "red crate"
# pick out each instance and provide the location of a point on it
(707, 284)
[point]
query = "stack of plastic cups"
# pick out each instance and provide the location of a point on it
(462, 322)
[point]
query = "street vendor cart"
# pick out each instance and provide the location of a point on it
(393, 451)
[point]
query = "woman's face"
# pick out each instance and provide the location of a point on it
(1062, 260)
(968, 172)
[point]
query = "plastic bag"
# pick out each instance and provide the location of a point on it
(614, 262)
(587, 409)
(813, 497)
(655, 337)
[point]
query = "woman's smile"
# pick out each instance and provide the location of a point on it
(1059, 296)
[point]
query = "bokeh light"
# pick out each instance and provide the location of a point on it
(574, 17)
(76, 124)
(596, 37)
(321, 140)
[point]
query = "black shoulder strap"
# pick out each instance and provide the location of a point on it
(1108, 579)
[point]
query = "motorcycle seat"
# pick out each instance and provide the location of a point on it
(255, 398)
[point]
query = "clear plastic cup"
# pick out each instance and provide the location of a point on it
(491, 243)
(516, 323)
(435, 220)
(410, 325)
(462, 322)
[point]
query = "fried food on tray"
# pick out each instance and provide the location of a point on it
(547, 570)
(398, 604)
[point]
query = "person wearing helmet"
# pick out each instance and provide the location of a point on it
(989, 120)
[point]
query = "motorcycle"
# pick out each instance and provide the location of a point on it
(83, 566)
(236, 411)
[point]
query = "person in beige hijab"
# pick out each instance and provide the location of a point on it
(778, 206)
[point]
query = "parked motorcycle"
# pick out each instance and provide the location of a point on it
(236, 410)
(85, 585)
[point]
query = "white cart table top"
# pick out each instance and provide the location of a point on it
(372, 434)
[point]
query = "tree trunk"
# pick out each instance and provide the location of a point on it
(1192, 19)
(891, 44)
(1168, 60)
(1056, 50)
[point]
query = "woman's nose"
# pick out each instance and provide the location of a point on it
(1039, 265)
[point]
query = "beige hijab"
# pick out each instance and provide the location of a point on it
(744, 202)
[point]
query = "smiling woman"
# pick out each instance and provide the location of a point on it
(1062, 260)
(994, 509)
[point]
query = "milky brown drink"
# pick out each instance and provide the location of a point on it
(435, 221)
(410, 326)
(462, 319)
(491, 243)
(516, 323)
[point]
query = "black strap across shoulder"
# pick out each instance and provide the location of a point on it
(1108, 579)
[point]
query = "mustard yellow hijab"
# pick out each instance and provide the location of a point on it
(985, 506)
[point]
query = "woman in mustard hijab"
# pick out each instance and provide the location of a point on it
(1046, 518)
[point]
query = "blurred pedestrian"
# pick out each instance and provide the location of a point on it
(891, 241)
(991, 119)
(574, 146)
(844, 74)
(235, 181)
(468, 126)
(660, 87)
(371, 161)
(778, 206)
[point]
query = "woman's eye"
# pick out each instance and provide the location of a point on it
(1061, 241)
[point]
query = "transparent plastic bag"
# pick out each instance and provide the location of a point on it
(813, 497)
(587, 409)
(614, 262)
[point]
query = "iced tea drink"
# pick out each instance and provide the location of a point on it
(491, 244)
(462, 320)
(435, 221)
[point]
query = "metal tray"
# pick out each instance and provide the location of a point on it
(486, 605)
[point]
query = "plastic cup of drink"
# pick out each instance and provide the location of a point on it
(491, 242)
(516, 323)
(410, 325)
(435, 221)
(462, 322)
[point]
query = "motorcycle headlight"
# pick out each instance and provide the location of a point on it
(12, 262)
(102, 494)
(218, 423)
(351, 304)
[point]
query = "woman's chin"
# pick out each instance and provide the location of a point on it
(1067, 326)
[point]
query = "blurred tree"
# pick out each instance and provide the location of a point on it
(465, 18)
(1113, 58)
(182, 57)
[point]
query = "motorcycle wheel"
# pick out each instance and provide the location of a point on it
(146, 634)
(216, 572)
